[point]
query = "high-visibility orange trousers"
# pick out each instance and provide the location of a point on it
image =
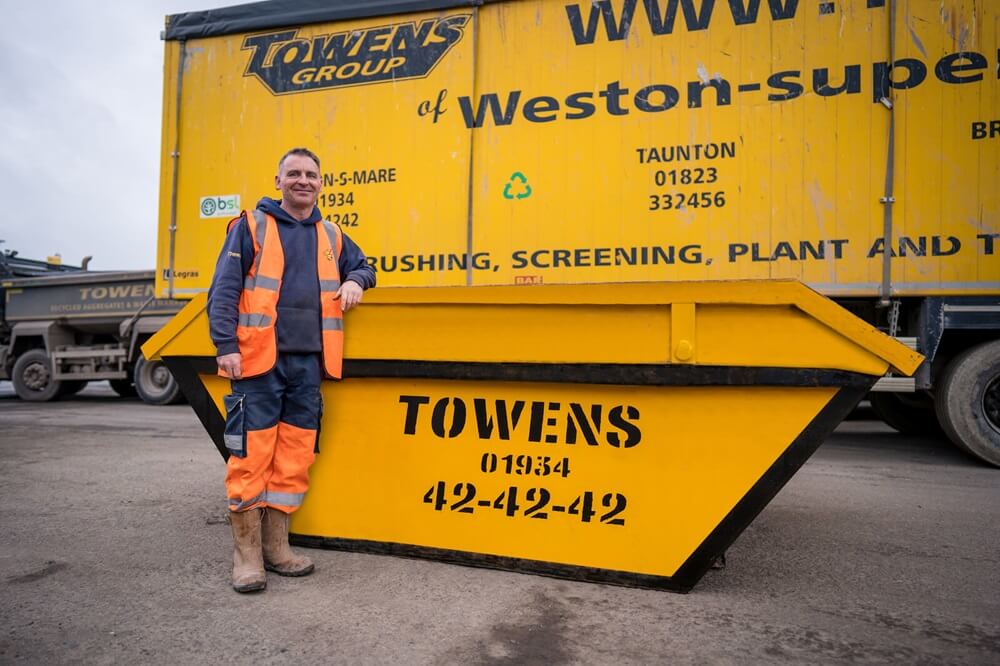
(272, 425)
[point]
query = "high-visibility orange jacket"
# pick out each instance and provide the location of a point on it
(258, 305)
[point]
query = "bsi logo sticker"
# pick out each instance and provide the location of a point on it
(226, 205)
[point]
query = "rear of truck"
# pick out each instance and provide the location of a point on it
(852, 145)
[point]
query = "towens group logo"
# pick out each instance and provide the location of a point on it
(286, 63)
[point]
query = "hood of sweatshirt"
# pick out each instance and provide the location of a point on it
(273, 207)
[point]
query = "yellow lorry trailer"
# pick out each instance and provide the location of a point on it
(853, 145)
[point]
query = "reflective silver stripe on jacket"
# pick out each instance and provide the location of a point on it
(237, 505)
(284, 499)
(261, 219)
(333, 324)
(260, 281)
(254, 320)
(331, 233)
(234, 442)
(329, 285)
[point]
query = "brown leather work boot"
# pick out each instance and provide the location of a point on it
(278, 557)
(248, 559)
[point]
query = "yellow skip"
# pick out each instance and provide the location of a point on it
(613, 433)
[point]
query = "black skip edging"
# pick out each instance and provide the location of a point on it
(632, 374)
(485, 561)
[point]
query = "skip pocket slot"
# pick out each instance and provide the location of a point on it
(235, 436)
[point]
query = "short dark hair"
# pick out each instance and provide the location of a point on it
(303, 152)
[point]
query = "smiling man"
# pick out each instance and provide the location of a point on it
(283, 280)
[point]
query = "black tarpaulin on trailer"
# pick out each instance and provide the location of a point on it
(281, 13)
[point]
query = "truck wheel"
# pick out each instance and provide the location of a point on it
(968, 401)
(123, 387)
(32, 377)
(909, 413)
(154, 383)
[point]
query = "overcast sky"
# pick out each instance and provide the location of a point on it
(81, 88)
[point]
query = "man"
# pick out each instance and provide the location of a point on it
(283, 280)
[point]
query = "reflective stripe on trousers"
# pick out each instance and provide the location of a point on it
(237, 505)
(286, 499)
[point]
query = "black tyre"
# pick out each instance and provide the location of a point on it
(909, 413)
(32, 377)
(154, 383)
(123, 387)
(968, 401)
(71, 387)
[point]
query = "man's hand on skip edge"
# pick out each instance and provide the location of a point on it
(349, 294)
(231, 364)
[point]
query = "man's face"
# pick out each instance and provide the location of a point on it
(299, 181)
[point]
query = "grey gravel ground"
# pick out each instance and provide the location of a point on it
(883, 549)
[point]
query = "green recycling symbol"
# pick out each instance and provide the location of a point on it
(510, 188)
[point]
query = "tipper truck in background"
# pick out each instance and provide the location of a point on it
(60, 330)
(853, 145)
